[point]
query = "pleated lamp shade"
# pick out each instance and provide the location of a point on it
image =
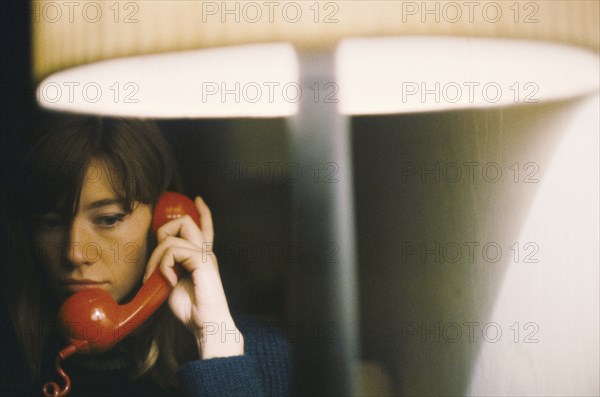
(202, 60)
(206, 35)
(102, 30)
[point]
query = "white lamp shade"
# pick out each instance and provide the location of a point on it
(424, 74)
(244, 81)
(373, 76)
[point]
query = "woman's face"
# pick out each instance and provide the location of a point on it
(103, 247)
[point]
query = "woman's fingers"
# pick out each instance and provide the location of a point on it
(155, 260)
(206, 222)
(183, 227)
(190, 235)
(177, 250)
(186, 228)
(185, 256)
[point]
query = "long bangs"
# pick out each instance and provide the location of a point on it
(138, 169)
(133, 153)
(53, 171)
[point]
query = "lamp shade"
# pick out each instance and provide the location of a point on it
(427, 74)
(241, 81)
(240, 59)
(373, 76)
(262, 81)
(67, 34)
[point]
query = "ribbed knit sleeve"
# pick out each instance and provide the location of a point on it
(263, 370)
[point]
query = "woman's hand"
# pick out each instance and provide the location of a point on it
(197, 299)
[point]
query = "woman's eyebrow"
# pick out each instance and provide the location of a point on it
(104, 203)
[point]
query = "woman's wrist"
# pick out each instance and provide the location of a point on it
(219, 338)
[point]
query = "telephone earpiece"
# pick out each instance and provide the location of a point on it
(91, 319)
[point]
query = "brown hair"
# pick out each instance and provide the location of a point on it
(50, 178)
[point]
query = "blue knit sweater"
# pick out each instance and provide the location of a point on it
(264, 370)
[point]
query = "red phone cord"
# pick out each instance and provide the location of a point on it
(52, 389)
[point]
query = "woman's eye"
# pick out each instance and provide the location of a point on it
(109, 220)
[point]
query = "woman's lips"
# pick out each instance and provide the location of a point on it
(76, 285)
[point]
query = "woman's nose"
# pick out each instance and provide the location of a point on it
(80, 249)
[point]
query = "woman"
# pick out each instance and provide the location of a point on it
(82, 220)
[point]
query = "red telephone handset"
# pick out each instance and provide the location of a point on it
(92, 320)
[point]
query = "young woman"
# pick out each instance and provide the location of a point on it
(82, 215)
